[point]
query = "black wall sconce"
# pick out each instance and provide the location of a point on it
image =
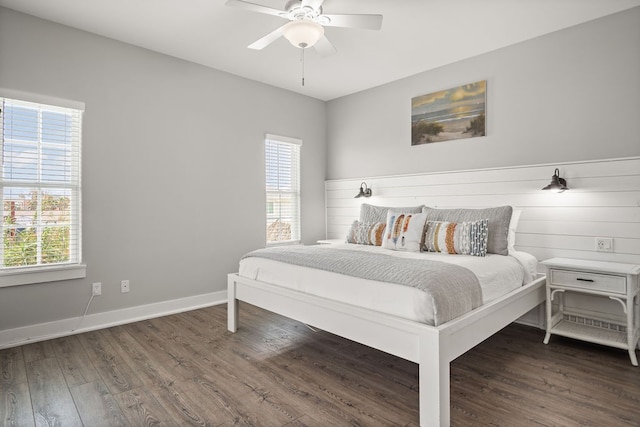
(364, 191)
(557, 184)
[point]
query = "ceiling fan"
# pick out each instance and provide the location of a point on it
(306, 24)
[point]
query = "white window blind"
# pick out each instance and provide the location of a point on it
(40, 180)
(282, 166)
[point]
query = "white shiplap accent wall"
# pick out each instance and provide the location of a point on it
(603, 201)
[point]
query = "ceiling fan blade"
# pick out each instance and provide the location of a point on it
(255, 7)
(266, 40)
(367, 22)
(314, 4)
(324, 47)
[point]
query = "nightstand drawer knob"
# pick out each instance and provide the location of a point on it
(584, 280)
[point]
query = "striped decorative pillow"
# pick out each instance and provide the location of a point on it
(366, 234)
(464, 238)
(499, 218)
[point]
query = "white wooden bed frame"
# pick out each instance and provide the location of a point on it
(431, 347)
(602, 201)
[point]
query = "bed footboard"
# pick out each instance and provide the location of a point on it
(432, 348)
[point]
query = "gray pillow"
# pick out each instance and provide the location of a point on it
(498, 217)
(371, 214)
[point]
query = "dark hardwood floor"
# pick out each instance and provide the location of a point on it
(186, 369)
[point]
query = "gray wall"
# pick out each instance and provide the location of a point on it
(172, 166)
(567, 96)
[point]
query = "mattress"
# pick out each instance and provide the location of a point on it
(497, 274)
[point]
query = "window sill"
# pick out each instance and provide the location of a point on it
(27, 276)
(287, 243)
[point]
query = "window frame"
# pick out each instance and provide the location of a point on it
(296, 231)
(75, 269)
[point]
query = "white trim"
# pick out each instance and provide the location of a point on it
(287, 139)
(75, 325)
(497, 168)
(41, 99)
(287, 243)
(40, 274)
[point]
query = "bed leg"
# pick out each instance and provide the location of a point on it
(434, 389)
(232, 305)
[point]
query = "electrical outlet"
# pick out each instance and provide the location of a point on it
(604, 244)
(124, 286)
(96, 289)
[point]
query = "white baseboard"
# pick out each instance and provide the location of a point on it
(75, 325)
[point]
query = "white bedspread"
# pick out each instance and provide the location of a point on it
(497, 274)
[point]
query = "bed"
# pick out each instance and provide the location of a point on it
(410, 333)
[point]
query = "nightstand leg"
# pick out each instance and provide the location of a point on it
(548, 306)
(631, 328)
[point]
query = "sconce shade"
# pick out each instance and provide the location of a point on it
(364, 191)
(303, 33)
(557, 184)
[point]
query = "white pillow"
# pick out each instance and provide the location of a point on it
(404, 231)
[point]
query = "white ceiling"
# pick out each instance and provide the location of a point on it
(416, 35)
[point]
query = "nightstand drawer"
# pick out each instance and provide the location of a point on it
(596, 282)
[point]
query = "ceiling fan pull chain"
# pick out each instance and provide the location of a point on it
(302, 59)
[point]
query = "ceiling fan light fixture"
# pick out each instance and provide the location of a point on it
(303, 33)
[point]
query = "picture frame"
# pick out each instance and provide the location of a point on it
(450, 114)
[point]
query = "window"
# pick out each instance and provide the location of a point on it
(40, 180)
(282, 166)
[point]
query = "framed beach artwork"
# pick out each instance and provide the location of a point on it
(454, 113)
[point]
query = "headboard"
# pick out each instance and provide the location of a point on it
(603, 200)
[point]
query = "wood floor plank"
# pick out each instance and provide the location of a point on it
(354, 360)
(141, 408)
(288, 354)
(161, 352)
(50, 397)
(15, 400)
(235, 375)
(74, 361)
(238, 368)
(186, 396)
(96, 406)
(15, 405)
(337, 381)
(305, 421)
(519, 382)
(12, 367)
(511, 378)
(281, 390)
(253, 408)
(38, 350)
(178, 400)
(113, 370)
(141, 359)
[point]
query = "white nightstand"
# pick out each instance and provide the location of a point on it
(616, 281)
